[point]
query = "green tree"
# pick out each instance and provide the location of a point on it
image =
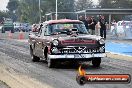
(66, 6)
(3, 15)
(12, 5)
(115, 3)
(83, 4)
(28, 10)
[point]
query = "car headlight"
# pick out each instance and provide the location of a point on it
(101, 41)
(101, 49)
(55, 50)
(55, 42)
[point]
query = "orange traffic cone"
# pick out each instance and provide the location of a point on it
(21, 35)
(10, 36)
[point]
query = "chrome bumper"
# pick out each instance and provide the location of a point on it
(76, 56)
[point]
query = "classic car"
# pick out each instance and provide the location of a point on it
(66, 40)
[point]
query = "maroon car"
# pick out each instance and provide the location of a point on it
(66, 40)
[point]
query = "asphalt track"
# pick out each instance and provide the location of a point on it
(16, 56)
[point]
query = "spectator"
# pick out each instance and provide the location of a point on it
(91, 25)
(97, 29)
(103, 24)
(88, 20)
(81, 18)
(35, 28)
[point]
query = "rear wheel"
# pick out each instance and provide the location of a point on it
(96, 62)
(12, 30)
(34, 58)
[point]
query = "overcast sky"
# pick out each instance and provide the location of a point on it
(95, 1)
(3, 4)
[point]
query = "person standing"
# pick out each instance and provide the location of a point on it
(81, 18)
(88, 21)
(103, 24)
(97, 29)
(91, 25)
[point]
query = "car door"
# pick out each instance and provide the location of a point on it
(42, 40)
(47, 38)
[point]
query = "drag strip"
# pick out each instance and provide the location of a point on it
(16, 55)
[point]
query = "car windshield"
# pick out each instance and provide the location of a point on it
(65, 28)
(8, 21)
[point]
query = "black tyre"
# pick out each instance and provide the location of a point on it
(46, 53)
(2, 31)
(12, 31)
(50, 63)
(34, 58)
(23, 30)
(96, 62)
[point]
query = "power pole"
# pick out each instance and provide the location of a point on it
(39, 11)
(56, 10)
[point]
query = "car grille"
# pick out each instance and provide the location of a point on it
(81, 50)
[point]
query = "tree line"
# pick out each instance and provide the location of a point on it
(28, 10)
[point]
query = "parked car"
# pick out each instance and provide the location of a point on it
(7, 25)
(17, 26)
(26, 27)
(66, 40)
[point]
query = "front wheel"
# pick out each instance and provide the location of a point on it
(96, 62)
(50, 63)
